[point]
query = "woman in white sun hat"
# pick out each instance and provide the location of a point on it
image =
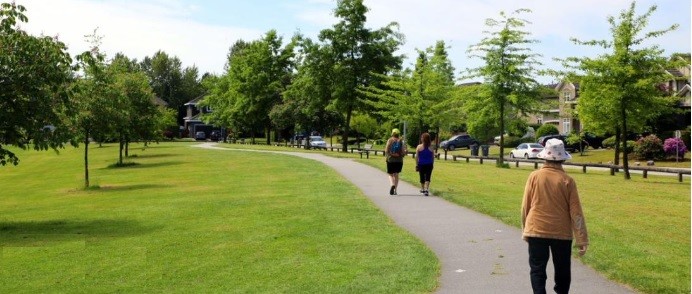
(551, 217)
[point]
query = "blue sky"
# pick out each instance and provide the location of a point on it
(200, 32)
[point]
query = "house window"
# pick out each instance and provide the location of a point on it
(567, 95)
(540, 120)
(566, 126)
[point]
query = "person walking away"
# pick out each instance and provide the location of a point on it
(425, 157)
(394, 154)
(551, 217)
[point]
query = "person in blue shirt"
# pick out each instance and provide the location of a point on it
(425, 157)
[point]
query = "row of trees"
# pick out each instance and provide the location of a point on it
(48, 100)
(348, 77)
(351, 77)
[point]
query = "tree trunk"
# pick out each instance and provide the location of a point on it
(268, 135)
(437, 138)
(127, 147)
(618, 149)
(347, 128)
(501, 158)
(625, 164)
(120, 151)
(86, 159)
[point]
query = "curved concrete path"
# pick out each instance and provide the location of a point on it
(478, 253)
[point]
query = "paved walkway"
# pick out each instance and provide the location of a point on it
(479, 254)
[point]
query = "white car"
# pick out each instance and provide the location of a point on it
(317, 142)
(526, 150)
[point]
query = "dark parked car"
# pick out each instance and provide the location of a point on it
(458, 141)
(594, 141)
(200, 136)
(215, 136)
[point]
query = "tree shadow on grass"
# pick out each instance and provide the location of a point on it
(46, 233)
(152, 155)
(128, 165)
(107, 188)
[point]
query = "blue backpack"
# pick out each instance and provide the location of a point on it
(395, 148)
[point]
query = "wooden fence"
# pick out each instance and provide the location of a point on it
(612, 168)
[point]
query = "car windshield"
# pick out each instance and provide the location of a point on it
(316, 138)
(535, 145)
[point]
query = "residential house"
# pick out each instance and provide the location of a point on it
(561, 107)
(192, 121)
(550, 113)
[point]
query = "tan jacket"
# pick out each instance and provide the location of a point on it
(551, 206)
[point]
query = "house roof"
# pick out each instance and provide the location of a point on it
(196, 117)
(675, 72)
(468, 84)
(160, 102)
(195, 101)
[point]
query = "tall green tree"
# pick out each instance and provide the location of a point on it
(622, 87)
(418, 96)
(139, 120)
(257, 75)
(508, 76)
(306, 103)
(171, 82)
(99, 105)
(219, 95)
(359, 54)
(35, 75)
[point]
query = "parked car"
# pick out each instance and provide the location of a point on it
(317, 142)
(594, 141)
(215, 136)
(526, 150)
(458, 141)
(200, 136)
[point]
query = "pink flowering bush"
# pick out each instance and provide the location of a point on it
(675, 147)
(649, 147)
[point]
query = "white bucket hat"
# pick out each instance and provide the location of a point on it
(554, 150)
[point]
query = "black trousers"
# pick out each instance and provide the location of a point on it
(425, 172)
(539, 253)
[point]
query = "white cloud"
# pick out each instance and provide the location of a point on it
(139, 28)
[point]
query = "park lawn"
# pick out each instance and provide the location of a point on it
(639, 229)
(189, 220)
(601, 156)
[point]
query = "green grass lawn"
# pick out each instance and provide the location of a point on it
(184, 220)
(589, 156)
(639, 229)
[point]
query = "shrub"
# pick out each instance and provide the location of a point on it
(528, 140)
(573, 139)
(547, 129)
(610, 143)
(649, 147)
(511, 141)
(675, 147)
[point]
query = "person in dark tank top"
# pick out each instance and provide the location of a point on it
(425, 157)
